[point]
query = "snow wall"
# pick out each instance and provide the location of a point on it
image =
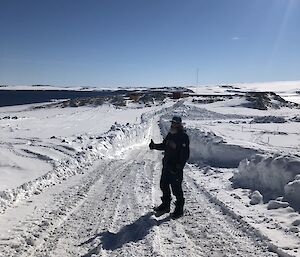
(211, 149)
(84, 151)
(272, 175)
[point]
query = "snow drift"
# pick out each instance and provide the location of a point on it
(210, 148)
(272, 175)
(87, 149)
(292, 190)
(84, 150)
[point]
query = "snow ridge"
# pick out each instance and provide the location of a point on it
(86, 149)
(273, 175)
(210, 148)
(114, 142)
(245, 226)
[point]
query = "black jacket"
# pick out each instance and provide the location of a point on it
(177, 149)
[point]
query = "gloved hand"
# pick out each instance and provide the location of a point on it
(151, 145)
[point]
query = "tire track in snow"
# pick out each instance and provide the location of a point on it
(114, 186)
(215, 230)
(107, 213)
(28, 235)
(130, 221)
(97, 211)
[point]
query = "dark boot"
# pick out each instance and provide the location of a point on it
(178, 212)
(164, 207)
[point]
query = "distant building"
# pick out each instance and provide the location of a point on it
(135, 96)
(177, 94)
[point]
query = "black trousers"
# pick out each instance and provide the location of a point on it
(170, 180)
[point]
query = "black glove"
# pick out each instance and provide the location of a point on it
(151, 145)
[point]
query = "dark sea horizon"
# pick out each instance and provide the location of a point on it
(19, 97)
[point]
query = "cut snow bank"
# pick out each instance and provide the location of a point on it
(210, 148)
(292, 191)
(107, 145)
(272, 175)
(87, 149)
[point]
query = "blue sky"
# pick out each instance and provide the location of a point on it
(148, 42)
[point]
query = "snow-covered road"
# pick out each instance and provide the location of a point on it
(107, 212)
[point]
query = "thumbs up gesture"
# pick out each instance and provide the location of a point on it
(151, 145)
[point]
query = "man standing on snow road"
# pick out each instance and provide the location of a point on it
(176, 153)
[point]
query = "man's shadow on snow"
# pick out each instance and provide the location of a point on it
(133, 232)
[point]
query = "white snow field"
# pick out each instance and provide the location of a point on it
(82, 181)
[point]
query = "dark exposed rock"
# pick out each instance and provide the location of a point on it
(85, 101)
(268, 119)
(118, 101)
(266, 100)
(209, 99)
(152, 96)
(295, 119)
